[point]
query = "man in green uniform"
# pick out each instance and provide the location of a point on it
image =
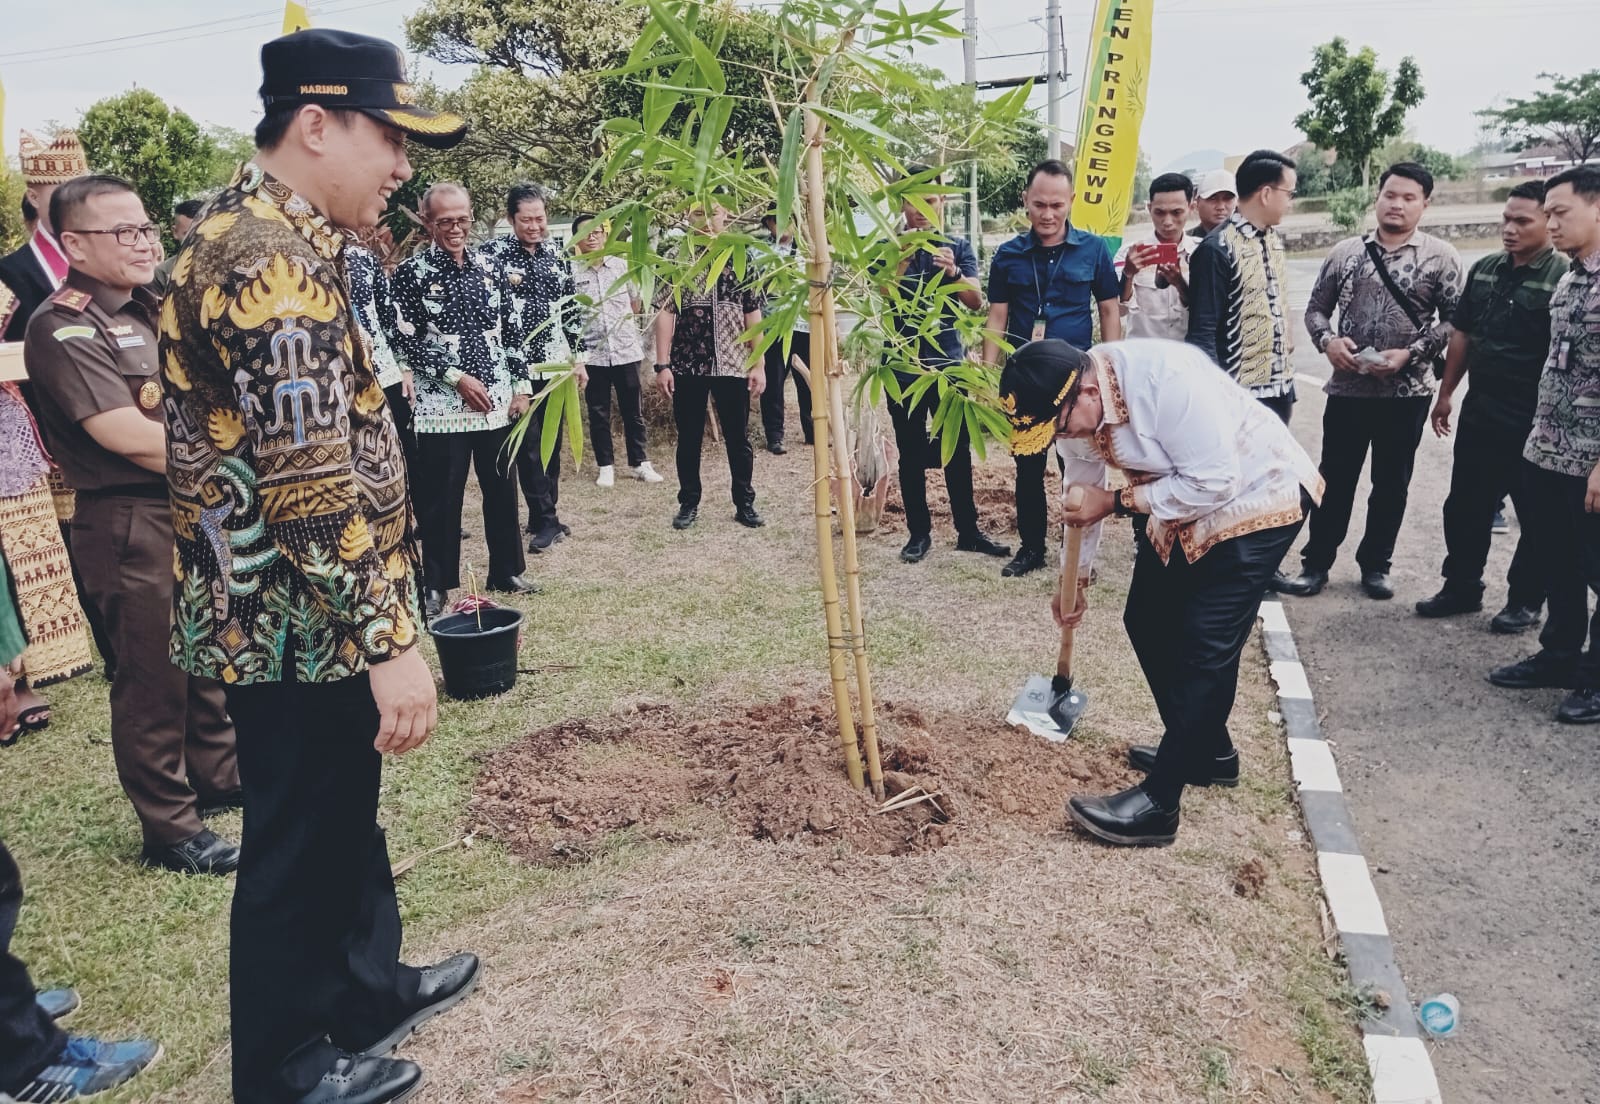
(91, 354)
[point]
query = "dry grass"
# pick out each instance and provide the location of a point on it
(1015, 964)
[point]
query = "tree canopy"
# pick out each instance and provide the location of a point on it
(1355, 106)
(1567, 114)
(160, 150)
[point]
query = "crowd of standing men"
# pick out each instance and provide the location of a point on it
(228, 457)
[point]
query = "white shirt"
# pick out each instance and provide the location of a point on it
(610, 332)
(1156, 311)
(1208, 462)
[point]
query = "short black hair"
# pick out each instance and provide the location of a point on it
(1173, 182)
(67, 200)
(1409, 170)
(1048, 167)
(917, 168)
(30, 213)
(1262, 169)
(579, 220)
(1584, 179)
(1529, 189)
(274, 124)
(189, 208)
(520, 194)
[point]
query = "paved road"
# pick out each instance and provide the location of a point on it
(1477, 811)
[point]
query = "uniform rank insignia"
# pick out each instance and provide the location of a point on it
(149, 395)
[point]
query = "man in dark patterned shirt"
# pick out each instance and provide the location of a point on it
(296, 572)
(1382, 357)
(452, 321)
(1501, 340)
(536, 286)
(1562, 461)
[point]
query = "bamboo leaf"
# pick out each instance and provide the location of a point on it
(574, 418)
(712, 127)
(553, 398)
(789, 166)
(685, 40)
(857, 122)
(718, 263)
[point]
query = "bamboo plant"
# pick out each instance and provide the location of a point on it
(838, 80)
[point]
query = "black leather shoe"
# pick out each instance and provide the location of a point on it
(1450, 601)
(1375, 584)
(204, 853)
(747, 517)
(1224, 772)
(1129, 819)
(1307, 584)
(776, 448)
(221, 803)
(916, 549)
(357, 1080)
(1581, 707)
(1025, 561)
(1514, 619)
(444, 985)
(545, 537)
(979, 542)
(433, 603)
(686, 517)
(514, 585)
(1539, 671)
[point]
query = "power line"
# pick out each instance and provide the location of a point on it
(17, 54)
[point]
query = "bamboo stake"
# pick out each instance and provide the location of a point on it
(817, 266)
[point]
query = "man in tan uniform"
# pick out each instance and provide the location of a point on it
(91, 353)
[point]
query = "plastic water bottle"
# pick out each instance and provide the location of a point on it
(1440, 1016)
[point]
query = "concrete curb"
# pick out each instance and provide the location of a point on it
(1397, 1053)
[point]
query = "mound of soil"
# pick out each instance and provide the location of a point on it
(774, 771)
(994, 492)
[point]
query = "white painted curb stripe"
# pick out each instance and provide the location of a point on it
(1272, 617)
(1351, 894)
(1291, 679)
(1402, 1071)
(1311, 763)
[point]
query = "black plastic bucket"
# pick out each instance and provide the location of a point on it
(478, 662)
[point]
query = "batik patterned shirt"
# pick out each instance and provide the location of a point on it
(1238, 309)
(537, 286)
(611, 332)
(451, 323)
(369, 296)
(705, 340)
(1428, 272)
(287, 481)
(1566, 426)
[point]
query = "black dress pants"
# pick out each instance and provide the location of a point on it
(1392, 429)
(778, 369)
(624, 379)
(1032, 511)
(443, 462)
(1488, 467)
(1281, 405)
(731, 394)
(918, 453)
(315, 941)
(29, 1039)
(400, 411)
(1188, 623)
(541, 482)
(1566, 544)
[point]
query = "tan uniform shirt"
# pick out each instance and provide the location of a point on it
(91, 349)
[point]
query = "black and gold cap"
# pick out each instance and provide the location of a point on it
(354, 72)
(1033, 388)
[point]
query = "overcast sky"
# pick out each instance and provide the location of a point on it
(1224, 72)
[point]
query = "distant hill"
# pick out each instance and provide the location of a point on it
(1197, 162)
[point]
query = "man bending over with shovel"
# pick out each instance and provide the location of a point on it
(1223, 488)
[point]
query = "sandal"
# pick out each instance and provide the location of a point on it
(33, 719)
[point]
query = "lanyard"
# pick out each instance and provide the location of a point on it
(1050, 272)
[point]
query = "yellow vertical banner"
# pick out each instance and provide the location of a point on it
(295, 17)
(2, 125)
(1116, 80)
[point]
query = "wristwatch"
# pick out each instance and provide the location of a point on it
(1122, 504)
(667, 367)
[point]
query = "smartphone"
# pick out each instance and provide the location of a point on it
(1166, 253)
(1369, 358)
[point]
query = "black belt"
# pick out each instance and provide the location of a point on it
(130, 490)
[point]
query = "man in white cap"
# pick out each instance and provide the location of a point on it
(1218, 198)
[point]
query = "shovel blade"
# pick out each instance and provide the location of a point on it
(1043, 712)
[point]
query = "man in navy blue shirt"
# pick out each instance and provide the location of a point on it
(1043, 284)
(938, 259)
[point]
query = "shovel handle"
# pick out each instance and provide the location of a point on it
(1069, 582)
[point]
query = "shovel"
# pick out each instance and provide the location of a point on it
(1050, 707)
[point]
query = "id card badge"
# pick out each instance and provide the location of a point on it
(1038, 330)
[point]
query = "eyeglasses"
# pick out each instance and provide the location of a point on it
(452, 223)
(1290, 192)
(127, 235)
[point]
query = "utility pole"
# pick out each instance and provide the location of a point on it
(969, 52)
(1052, 19)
